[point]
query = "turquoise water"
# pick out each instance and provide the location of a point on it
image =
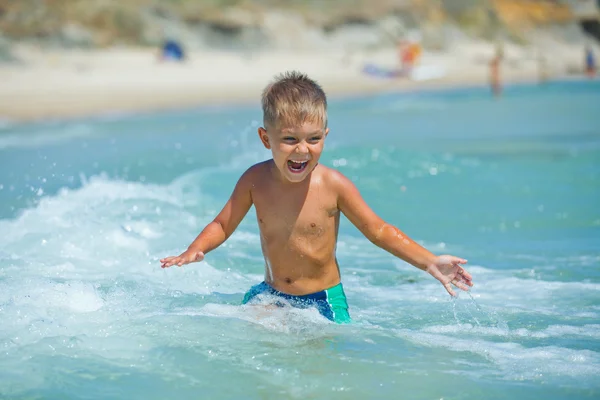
(513, 184)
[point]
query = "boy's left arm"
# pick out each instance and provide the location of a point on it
(446, 269)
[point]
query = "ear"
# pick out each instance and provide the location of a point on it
(264, 138)
(326, 132)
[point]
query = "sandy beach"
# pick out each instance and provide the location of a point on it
(66, 84)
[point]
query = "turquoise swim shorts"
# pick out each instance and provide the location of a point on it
(331, 303)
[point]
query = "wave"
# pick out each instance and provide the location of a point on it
(515, 361)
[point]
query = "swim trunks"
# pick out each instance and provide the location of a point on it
(331, 303)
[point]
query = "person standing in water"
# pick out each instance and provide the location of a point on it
(590, 62)
(495, 73)
(299, 203)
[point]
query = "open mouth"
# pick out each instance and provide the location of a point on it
(297, 167)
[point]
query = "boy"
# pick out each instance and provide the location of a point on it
(298, 204)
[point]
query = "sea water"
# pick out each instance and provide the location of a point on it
(88, 207)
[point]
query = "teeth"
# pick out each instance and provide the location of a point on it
(297, 165)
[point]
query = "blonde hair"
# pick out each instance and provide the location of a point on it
(293, 99)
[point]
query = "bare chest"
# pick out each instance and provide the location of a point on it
(282, 216)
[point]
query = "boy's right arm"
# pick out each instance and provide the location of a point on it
(219, 230)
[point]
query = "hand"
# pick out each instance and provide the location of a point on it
(184, 258)
(447, 269)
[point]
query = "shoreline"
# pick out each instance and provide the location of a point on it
(75, 85)
(20, 113)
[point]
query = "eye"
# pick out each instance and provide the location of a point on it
(315, 138)
(288, 139)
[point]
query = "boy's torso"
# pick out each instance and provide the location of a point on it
(298, 226)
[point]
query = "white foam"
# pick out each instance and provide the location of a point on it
(591, 331)
(74, 296)
(287, 320)
(507, 290)
(96, 201)
(517, 361)
(142, 229)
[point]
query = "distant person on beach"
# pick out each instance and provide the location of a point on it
(171, 50)
(299, 203)
(590, 62)
(409, 53)
(495, 73)
(495, 83)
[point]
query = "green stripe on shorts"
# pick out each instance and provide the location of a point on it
(336, 298)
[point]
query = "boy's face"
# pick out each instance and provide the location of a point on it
(296, 150)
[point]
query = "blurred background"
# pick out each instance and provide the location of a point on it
(472, 125)
(72, 57)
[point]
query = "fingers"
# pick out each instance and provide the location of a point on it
(167, 261)
(459, 284)
(182, 259)
(170, 261)
(449, 289)
(464, 276)
(462, 284)
(458, 260)
(449, 271)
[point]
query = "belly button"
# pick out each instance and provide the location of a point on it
(260, 220)
(312, 224)
(288, 280)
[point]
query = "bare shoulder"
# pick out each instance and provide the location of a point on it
(257, 172)
(334, 179)
(260, 167)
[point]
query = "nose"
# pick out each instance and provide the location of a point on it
(302, 148)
